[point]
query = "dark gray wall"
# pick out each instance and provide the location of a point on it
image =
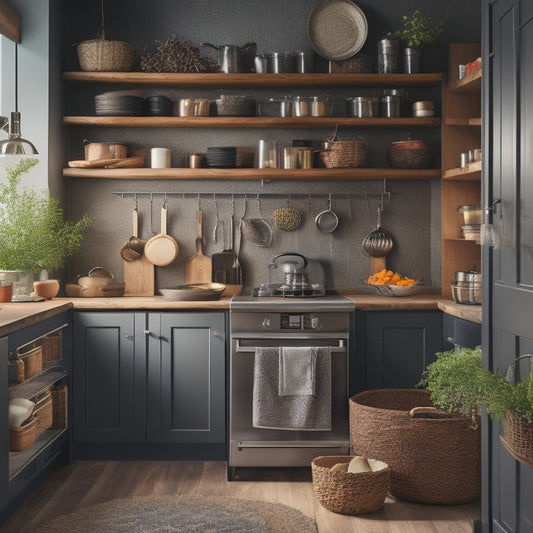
(412, 215)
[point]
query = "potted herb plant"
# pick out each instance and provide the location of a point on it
(459, 383)
(33, 234)
(417, 31)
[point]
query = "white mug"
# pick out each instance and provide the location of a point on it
(160, 158)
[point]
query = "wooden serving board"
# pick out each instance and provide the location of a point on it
(134, 162)
(139, 277)
(377, 264)
(198, 268)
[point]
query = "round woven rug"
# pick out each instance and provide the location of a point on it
(182, 514)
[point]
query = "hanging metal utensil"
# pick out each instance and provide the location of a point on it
(327, 221)
(377, 244)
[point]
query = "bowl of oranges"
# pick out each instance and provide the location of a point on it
(390, 283)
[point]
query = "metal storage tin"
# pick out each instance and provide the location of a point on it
(359, 106)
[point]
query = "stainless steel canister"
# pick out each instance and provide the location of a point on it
(390, 106)
(359, 106)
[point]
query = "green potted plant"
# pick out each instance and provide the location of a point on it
(416, 32)
(459, 383)
(33, 234)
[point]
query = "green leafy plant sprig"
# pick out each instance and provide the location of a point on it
(33, 234)
(419, 30)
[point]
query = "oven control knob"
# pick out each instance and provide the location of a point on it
(267, 323)
(315, 323)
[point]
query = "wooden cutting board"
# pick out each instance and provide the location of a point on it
(198, 268)
(139, 277)
(377, 264)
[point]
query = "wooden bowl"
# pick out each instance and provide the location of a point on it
(46, 288)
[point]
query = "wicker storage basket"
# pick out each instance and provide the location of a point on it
(51, 348)
(347, 493)
(33, 362)
(359, 63)
(432, 460)
(23, 437)
(105, 55)
(59, 406)
(518, 437)
(15, 370)
(43, 411)
(344, 154)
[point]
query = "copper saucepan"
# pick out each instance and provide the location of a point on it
(134, 248)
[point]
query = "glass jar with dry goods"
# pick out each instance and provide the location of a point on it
(313, 106)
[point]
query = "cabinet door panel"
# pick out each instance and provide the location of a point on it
(399, 347)
(104, 377)
(186, 378)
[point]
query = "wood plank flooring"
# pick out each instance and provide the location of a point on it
(68, 488)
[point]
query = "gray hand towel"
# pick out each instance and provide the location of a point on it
(295, 412)
(297, 368)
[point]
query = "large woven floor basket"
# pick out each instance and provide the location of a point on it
(432, 460)
(347, 493)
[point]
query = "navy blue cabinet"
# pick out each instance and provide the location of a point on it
(149, 378)
(393, 348)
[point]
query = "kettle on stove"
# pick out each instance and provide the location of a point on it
(294, 269)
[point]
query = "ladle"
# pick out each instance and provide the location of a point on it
(134, 248)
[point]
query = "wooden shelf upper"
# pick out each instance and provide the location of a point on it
(461, 121)
(471, 83)
(220, 79)
(249, 122)
(253, 173)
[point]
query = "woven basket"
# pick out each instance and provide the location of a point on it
(359, 63)
(43, 411)
(432, 460)
(347, 493)
(518, 437)
(33, 362)
(59, 406)
(344, 154)
(15, 370)
(23, 437)
(105, 55)
(51, 348)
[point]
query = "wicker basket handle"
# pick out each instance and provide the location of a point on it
(427, 412)
(509, 374)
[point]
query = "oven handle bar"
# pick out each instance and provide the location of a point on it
(293, 444)
(339, 348)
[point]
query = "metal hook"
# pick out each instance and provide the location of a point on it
(329, 202)
(198, 203)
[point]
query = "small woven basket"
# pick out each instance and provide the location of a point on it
(98, 55)
(51, 348)
(59, 406)
(344, 154)
(23, 437)
(432, 460)
(348, 493)
(33, 362)
(43, 411)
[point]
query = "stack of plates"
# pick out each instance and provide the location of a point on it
(110, 104)
(221, 156)
(158, 106)
(236, 105)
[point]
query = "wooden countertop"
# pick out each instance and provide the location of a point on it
(15, 316)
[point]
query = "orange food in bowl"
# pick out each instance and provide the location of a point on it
(388, 277)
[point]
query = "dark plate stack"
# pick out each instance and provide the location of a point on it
(158, 106)
(221, 156)
(118, 105)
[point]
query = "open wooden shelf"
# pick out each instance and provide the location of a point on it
(471, 83)
(462, 121)
(220, 79)
(472, 172)
(250, 122)
(328, 174)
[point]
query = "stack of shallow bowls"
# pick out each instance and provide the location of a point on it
(158, 106)
(236, 105)
(112, 104)
(221, 156)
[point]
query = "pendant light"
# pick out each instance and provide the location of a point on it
(15, 144)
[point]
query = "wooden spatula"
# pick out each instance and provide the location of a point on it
(198, 267)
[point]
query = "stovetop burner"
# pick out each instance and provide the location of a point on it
(277, 290)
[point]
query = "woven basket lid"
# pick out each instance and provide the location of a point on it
(337, 29)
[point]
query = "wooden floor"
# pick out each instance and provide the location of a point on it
(68, 488)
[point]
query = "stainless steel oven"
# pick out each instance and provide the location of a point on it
(271, 324)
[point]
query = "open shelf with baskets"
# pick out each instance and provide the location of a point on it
(461, 132)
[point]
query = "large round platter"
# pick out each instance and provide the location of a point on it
(337, 29)
(194, 291)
